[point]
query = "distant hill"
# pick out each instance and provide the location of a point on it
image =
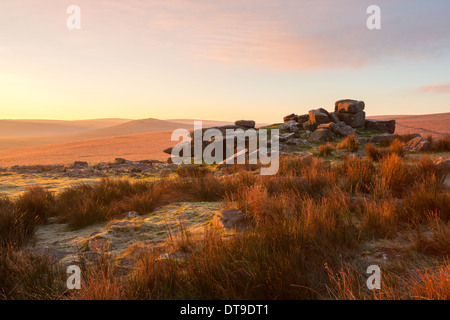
(140, 146)
(437, 124)
(38, 128)
(23, 133)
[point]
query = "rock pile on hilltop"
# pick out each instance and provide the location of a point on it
(243, 125)
(321, 125)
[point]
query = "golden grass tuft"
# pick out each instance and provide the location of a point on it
(325, 149)
(350, 143)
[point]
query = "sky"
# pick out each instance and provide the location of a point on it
(221, 60)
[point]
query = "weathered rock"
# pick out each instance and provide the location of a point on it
(363, 140)
(303, 118)
(330, 126)
(349, 106)
(80, 164)
(324, 111)
(309, 126)
(233, 219)
(321, 135)
(246, 123)
(304, 135)
(100, 166)
(342, 129)
(443, 163)
(334, 117)
(36, 171)
(414, 135)
(418, 144)
(318, 117)
(386, 137)
(120, 161)
(130, 215)
(379, 125)
(290, 117)
(354, 120)
(297, 142)
(223, 130)
(290, 126)
(168, 150)
(286, 136)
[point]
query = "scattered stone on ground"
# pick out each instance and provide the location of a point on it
(379, 125)
(385, 137)
(290, 126)
(232, 219)
(321, 135)
(246, 123)
(418, 144)
(443, 163)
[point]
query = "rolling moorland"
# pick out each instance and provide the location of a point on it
(100, 194)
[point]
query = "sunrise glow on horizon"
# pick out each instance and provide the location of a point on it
(221, 60)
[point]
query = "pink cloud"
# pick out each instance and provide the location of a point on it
(436, 88)
(305, 35)
(285, 34)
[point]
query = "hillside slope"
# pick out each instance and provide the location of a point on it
(134, 147)
(435, 124)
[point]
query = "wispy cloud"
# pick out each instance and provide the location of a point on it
(303, 35)
(284, 34)
(436, 88)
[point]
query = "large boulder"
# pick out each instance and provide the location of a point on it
(318, 117)
(290, 126)
(379, 125)
(309, 125)
(290, 117)
(443, 163)
(286, 136)
(222, 129)
(324, 111)
(80, 165)
(418, 144)
(385, 137)
(343, 130)
(297, 142)
(246, 123)
(349, 106)
(354, 120)
(330, 126)
(334, 117)
(303, 118)
(321, 135)
(120, 161)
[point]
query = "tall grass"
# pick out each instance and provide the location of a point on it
(350, 143)
(18, 218)
(23, 276)
(306, 221)
(442, 144)
(395, 174)
(87, 204)
(325, 149)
